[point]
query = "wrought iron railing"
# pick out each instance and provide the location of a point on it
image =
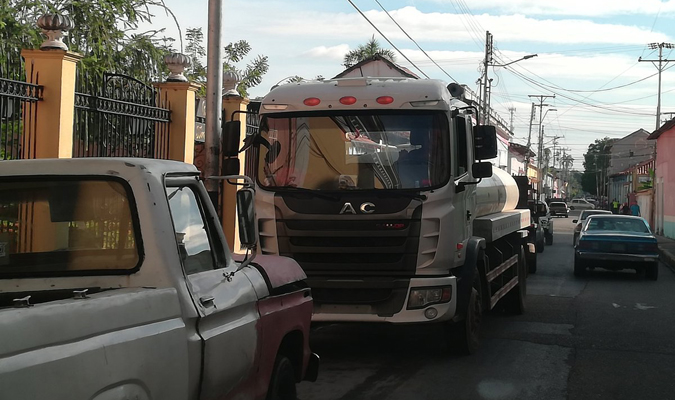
(119, 116)
(18, 109)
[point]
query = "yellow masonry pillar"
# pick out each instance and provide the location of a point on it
(54, 69)
(229, 211)
(181, 99)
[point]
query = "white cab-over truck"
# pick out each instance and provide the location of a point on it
(116, 282)
(374, 186)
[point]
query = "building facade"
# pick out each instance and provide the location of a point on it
(664, 180)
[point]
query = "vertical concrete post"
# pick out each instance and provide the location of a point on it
(56, 112)
(181, 99)
(231, 104)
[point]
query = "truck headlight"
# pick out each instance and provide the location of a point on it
(422, 297)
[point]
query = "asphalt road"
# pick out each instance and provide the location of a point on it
(608, 335)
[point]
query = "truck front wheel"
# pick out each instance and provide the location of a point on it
(463, 337)
(282, 384)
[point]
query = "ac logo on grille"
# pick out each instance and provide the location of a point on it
(365, 208)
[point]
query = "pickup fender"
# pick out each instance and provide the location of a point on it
(465, 273)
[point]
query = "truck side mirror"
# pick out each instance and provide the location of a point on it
(246, 216)
(481, 169)
(485, 142)
(231, 138)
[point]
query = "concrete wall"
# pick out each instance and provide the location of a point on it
(665, 178)
(636, 144)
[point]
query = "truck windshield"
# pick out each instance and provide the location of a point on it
(355, 151)
(66, 227)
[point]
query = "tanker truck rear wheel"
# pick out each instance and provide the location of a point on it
(514, 301)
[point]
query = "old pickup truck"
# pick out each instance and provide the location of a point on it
(116, 282)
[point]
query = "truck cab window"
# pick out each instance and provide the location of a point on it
(192, 236)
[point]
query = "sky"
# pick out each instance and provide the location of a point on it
(587, 51)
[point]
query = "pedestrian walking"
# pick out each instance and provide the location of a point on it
(615, 206)
(625, 210)
(635, 209)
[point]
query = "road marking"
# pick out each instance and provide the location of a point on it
(616, 305)
(641, 306)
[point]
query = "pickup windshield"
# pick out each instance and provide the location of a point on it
(66, 227)
(355, 151)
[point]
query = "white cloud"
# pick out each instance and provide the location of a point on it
(445, 27)
(328, 53)
(575, 7)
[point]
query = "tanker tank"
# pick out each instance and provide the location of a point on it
(496, 194)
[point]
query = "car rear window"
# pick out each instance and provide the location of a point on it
(558, 204)
(60, 227)
(617, 224)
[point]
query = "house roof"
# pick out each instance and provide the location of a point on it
(403, 70)
(521, 149)
(665, 128)
(640, 132)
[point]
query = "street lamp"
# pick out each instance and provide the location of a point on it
(486, 96)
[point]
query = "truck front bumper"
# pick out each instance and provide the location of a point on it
(364, 312)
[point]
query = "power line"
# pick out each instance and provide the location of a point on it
(386, 38)
(413, 40)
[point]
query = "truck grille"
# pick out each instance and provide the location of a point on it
(351, 245)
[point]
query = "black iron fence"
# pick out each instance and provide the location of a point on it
(252, 127)
(19, 96)
(119, 116)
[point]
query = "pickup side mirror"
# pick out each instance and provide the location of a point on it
(485, 142)
(481, 169)
(246, 216)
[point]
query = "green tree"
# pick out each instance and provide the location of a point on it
(105, 32)
(194, 48)
(596, 162)
(366, 51)
(253, 73)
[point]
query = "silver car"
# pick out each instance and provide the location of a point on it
(580, 204)
(579, 222)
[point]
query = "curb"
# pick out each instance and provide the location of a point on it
(667, 258)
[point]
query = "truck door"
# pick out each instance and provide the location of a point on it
(226, 304)
(463, 154)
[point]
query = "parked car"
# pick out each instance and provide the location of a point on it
(558, 209)
(617, 242)
(579, 222)
(581, 204)
(130, 291)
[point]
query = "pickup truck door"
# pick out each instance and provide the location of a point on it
(226, 302)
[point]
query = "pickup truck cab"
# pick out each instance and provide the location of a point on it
(116, 282)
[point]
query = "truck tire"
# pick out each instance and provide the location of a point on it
(652, 272)
(541, 246)
(282, 383)
(463, 337)
(532, 263)
(514, 301)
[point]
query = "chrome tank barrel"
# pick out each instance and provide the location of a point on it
(496, 194)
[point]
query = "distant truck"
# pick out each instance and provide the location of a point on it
(116, 282)
(379, 188)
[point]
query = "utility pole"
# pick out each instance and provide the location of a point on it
(486, 65)
(541, 98)
(214, 98)
(511, 110)
(660, 67)
(529, 138)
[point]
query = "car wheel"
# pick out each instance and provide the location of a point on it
(572, 208)
(282, 384)
(549, 238)
(579, 267)
(567, 216)
(652, 272)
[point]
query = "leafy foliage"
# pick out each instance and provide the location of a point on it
(104, 32)
(366, 51)
(596, 162)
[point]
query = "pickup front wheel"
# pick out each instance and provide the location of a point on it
(282, 384)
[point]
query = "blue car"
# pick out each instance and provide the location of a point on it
(617, 242)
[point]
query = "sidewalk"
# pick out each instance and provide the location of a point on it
(667, 251)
